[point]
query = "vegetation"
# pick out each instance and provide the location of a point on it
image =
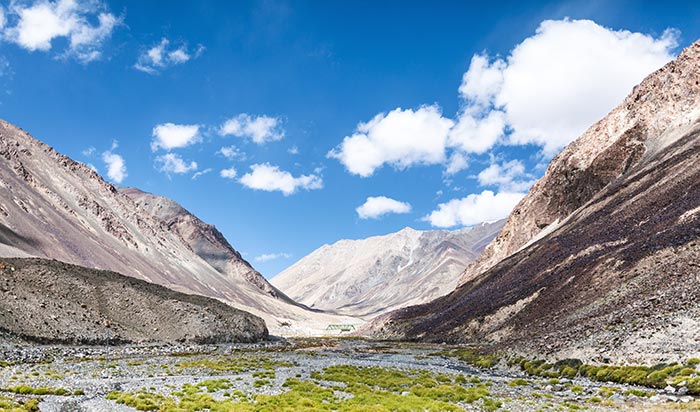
(471, 357)
(9, 405)
(29, 390)
(371, 388)
(231, 364)
(657, 376)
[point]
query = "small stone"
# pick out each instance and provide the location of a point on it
(670, 389)
(655, 399)
(405, 393)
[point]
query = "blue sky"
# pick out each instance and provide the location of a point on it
(293, 124)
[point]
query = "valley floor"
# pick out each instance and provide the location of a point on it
(331, 374)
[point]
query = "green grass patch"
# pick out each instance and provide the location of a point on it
(656, 376)
(30, 390)
(369, 389)
(471, 357)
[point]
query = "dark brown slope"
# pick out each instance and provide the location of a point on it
(620, 275)
(53, 302)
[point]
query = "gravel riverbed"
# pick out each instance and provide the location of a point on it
(88, 375)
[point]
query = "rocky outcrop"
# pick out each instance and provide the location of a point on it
(600, 260)
(47, 301)
(368, 277)
(665, 99)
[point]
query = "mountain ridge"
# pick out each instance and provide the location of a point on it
(367, 277)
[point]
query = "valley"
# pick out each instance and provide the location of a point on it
(343, 374)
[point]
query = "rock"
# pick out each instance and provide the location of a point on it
(670, 389)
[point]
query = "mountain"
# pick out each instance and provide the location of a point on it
(203, 239)
(53, 302)
(367, 277)
(53, 207)
(602, 258)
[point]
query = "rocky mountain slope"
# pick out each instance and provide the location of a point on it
(602, 257)
(204, 239)
(367, 277)
(53, 207)
(50, 301)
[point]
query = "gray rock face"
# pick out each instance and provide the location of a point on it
(614, 274)
(48, 301)
(367, 277)
(53, 207)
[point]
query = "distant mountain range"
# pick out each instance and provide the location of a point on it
(601, 260)
(367, 277)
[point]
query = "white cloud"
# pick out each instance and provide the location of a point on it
(266, 257)
(402, 138)
(558, 82)
(271, 178)
(171, 136)
(546, 92)
(293, 150)
(38, 24)
(89, 152)
(473, 209)
(508, 176)
(116, 166)
(477, 133)
(173, 163)
(162, 56)
(229, 173)
(231, 153)
(456, 163)
(375, 207)
(197, 175)
(260, 129)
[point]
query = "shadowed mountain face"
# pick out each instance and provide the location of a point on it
(53, 302)
(53, 207)
(602, 258)
(368, 277)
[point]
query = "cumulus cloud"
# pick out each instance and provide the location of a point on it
(266, 257)
(229, 173)
(231, 153)
(546, 92)
(162, 56)
(171, 136)
(375, 207)
(508, 176)
(270, 178)
(558, 82)
(173, 163)
(456, 163)
(38, 24)
(401, 138)
(476, 132)
(116, 166)
(259, 129)
(475, 208)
